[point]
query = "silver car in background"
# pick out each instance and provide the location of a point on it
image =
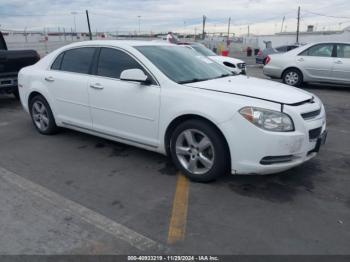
(318, 62)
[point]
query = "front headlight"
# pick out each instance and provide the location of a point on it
(268, 119)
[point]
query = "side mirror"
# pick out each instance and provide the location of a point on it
(136, 75)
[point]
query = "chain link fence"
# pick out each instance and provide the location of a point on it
(44, 44)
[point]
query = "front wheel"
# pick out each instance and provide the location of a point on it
(199, 151)
(292, 77)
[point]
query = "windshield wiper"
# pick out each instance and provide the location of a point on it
(193, 80)
(224, 75)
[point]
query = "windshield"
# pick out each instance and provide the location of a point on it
(203, 50)
(183, 65)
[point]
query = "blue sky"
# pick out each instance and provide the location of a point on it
(263, 16)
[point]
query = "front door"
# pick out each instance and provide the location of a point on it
(124, 109)
(317, 61)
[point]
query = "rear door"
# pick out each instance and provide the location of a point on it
(67, 81)
(124, 109)
(317, 61)
(341, 67)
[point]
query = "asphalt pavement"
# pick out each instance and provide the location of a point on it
(73, 193)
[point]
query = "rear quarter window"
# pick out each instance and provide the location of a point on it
(57, 63)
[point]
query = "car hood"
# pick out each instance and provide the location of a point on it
(255, 88)
(219, 58)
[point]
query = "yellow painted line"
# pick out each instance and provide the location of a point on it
(177, 227)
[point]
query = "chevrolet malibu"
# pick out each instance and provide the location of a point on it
(167, 99)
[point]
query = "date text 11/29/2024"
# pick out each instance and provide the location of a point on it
(174, 258)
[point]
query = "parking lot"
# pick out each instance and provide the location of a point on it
(109, 198)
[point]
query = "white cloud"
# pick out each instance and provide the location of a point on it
(263, 16)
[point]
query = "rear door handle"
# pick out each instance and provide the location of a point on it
(96, 86)
(338, 62)
(49, 79)
(300, 60)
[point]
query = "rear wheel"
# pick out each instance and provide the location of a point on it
(199, 151)
(292, 77)
(42, 116)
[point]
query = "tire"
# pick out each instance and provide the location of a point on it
(16, 94)
(292, 77)
(42, 116)
(205, 158)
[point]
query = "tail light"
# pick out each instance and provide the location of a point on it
(260, 53)
(268, 60)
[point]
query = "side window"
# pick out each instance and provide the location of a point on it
(57, 64)
(112, 62)
(343, 51)
(323, 50)
(78, 60)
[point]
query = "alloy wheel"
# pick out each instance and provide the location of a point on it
(40, 115)
(291, 78)
(195, 151)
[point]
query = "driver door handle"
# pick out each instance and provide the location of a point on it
(49, 79)
(96, 86)
(338, 62)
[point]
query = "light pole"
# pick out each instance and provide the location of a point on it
(139, 23)
(75, 24)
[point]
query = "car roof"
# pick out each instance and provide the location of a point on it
(188, 43)
(313, 43)
(326, 42)
(119, 43)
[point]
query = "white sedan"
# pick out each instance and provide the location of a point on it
(165, 98)
(318, 62)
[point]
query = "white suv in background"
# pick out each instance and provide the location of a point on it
(235, 65)
(319, 62)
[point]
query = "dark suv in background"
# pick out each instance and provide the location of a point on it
(10, 64)
(262, 55)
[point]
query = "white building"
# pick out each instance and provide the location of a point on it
(310, 36)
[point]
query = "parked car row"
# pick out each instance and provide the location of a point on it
(168, 99)
(321, 62)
